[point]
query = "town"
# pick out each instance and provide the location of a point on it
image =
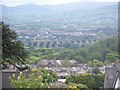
(67, 46)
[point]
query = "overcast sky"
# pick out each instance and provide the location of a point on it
(19, 2)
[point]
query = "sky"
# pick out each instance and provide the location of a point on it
(51, 2)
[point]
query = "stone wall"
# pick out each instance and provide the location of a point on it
(8, 73)
(0, 55)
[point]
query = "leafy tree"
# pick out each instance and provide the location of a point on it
(99, 80)
(71, 86)
(48, 76)
(81, 86)
(95, 70)
(79, 58)
(37, 79)
(75, 86)
(86, 79)
(118, 88)
(97, 51)
(33, 59)
(100, 49)
(95, 63)
(111, 57)
(13, 50)
(66, 63)
(82, 52)
(22, 82)
(91, 81)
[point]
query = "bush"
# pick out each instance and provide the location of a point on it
(22, 82)
(36, 79)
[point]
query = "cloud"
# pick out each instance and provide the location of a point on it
(106, 0)
(18, 2)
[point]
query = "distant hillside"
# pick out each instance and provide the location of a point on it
(53, 9)
(77, 16)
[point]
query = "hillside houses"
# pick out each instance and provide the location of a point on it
(56, 65)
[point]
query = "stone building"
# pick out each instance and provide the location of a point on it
(112, 76)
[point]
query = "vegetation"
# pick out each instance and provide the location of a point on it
(13, 50)
(95, 63)
(67, 63)
(36, 79)
(74, 86)
(95, 55)
(102, 51)
(22, 82)
(91, 81)
(46, 78)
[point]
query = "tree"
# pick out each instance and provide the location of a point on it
(22, 82)
(99, 80)
(95, 70)
(74, 86)
(13, 50)
(66, 63)
(89, 80)
(86, 79)
(49, 76)
(95, 63)
(112, 57)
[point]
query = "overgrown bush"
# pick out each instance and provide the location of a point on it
(22, 82)
(36, 79)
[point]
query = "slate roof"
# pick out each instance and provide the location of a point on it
(46, 63)
(111, 74)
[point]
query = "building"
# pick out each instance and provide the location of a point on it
(112, 76)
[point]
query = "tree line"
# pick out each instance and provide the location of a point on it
(104, 50)
(16, 54)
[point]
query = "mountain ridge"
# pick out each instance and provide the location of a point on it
(49, 9)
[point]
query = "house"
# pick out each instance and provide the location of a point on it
(83, 68)
(112, 76)
(62, 80)
(102, 69)
(48, 63)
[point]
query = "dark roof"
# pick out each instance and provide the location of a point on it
(47, 63)
(111, 75)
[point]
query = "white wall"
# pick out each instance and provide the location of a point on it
(117, 83)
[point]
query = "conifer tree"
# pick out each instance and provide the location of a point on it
(13, 50)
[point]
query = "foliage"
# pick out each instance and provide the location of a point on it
(66, 63)
(13, 50)
(76, 86)
(49, 76)
(23, 82)
(36, 79)
(95, 70)
(91, 81)
(99, 80)
(81, 86)
(111, 57)
(37, 54)
(82, 79)
(99, 52)
(33, 59)
(118, 88)
(95, 63)
(58, 85)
